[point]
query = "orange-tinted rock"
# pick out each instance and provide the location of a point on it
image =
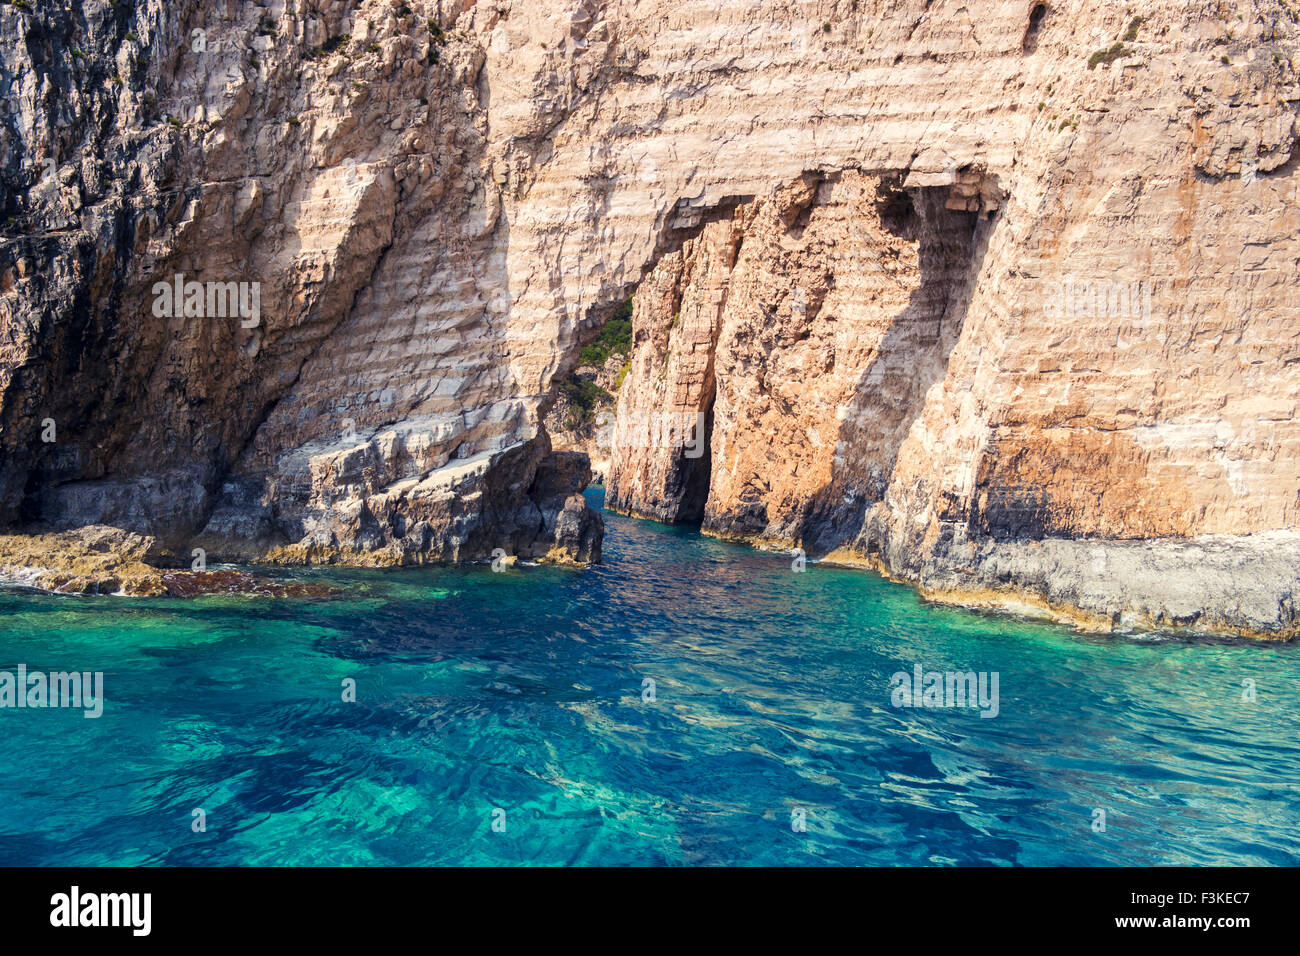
(438, 222)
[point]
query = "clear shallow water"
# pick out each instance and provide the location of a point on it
(523, 691)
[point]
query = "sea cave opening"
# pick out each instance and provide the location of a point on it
(762, 376)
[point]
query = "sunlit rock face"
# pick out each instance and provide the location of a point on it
(948, 278)
(809, 333)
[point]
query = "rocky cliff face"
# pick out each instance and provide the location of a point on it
(808, 334)
(806, 331)
(335, 157)
(957, 287)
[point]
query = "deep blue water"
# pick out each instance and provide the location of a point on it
(520, 694)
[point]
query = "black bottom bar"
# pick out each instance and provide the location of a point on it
(940, 907)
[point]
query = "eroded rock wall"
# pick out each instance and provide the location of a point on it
(334, 155)
(441, 201)
(818, 348)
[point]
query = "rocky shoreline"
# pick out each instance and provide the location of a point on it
(1232, 586)
(1243, 586)
(961, 298)
(1218, 585)
(110, 561)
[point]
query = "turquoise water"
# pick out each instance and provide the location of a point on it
(520, 694)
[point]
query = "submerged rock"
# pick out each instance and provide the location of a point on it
(191, 583)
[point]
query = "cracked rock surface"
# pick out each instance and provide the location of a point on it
(883, 228)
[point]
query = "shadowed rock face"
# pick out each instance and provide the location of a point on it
(437, 216)
(807, 330)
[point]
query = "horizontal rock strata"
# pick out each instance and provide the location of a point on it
(1047, 259)
(815, 330)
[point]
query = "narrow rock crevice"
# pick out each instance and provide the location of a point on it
(1037, 14)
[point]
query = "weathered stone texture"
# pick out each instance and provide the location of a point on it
(438, 217)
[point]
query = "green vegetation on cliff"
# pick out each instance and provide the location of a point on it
(615, 338)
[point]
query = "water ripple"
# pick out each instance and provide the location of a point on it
(689, 702)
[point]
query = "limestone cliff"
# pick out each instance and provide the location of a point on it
(969, 291)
